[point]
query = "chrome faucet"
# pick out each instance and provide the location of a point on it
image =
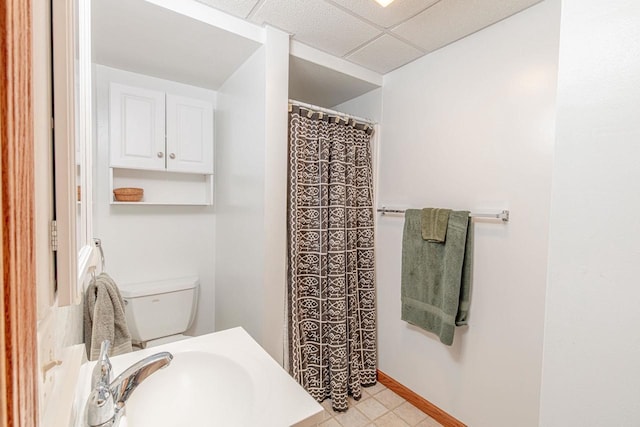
(106, 403)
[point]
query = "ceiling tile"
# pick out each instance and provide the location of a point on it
(450, 20)
(240, 8)
(385, 54)
(317, 23)
(389, 16)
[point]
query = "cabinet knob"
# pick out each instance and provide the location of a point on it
(172, 155)
(160, 154)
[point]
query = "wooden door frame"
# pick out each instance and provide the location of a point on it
(18, 360)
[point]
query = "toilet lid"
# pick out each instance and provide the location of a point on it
(142, 289)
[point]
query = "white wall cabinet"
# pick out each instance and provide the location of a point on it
(154, 130)
(160, 138)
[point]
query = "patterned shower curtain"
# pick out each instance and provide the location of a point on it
(331, 278)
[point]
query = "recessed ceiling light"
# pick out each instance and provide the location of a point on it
(384, 3)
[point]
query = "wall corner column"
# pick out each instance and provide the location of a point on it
(275, 190)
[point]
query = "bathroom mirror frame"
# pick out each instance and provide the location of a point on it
(72, 145)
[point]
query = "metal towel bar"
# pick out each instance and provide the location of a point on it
(504, 215)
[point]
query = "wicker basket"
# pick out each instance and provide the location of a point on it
(128, 194)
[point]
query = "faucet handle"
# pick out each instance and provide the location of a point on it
(102, 371)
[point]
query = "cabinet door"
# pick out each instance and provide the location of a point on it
(189, 135)
(137, 128)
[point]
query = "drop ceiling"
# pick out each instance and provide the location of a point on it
(139, 36)
(378, 38)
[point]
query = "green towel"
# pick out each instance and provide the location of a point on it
(436, 277)
(434, 224)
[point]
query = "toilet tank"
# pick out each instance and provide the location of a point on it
(159, 308)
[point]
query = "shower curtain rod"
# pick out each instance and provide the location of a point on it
(504, 215)
(331, 112)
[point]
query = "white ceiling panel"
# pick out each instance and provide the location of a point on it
(315, 84)
(239, 8)
(395, 13)
(385, 54)
(316, 23)
(138, 36)
(450, 20)
(142, 37)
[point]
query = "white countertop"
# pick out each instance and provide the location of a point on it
(224, 378)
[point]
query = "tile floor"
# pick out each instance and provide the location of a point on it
(378, 407)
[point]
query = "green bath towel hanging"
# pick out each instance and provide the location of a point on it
(436, 277)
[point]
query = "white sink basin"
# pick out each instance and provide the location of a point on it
(199, 390)
(220, 379)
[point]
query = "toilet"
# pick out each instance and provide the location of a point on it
(160, 311)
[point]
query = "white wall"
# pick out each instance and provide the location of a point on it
(240, 197)
(367, 106)
(151, 242)
(471, 126)
(591, 348)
